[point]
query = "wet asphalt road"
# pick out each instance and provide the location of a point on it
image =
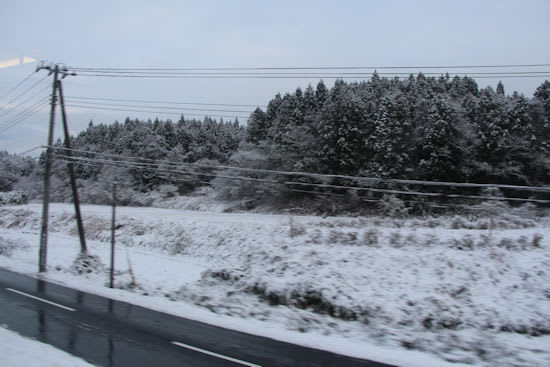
(117, 334)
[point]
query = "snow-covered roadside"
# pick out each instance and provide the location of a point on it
(408, 292)
(17, 351)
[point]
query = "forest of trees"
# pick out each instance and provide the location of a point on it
(420, 128)
(435, 129)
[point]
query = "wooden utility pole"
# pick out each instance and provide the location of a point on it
(43, 249)
(113, 227)
(46, 198)
(71, 171)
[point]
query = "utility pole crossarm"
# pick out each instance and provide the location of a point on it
(61, 70)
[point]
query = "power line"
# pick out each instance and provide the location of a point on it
(149, 111)
(419, 193)
(165, 102)
(160, 107)
(26, 110)
(363, 199)
(25, 101)
(172, 179)
(362, 76)
(156, 167)
(347, 196)
(344, 72)
(146, 166)
(30, 112)
(23, 162)
(337, 73)
(369, 180)
(30, 150)
(24, 92)
(17, 85)
(22, 118)
(379, 67)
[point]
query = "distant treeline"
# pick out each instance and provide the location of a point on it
(420, 128)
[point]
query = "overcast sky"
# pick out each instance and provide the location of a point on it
(256, 33)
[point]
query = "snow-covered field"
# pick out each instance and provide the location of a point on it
(17, 351)
(413, 292)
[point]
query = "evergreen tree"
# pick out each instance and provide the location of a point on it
(500, 88)
(342, 130)
(388, 144)
(321, 93)
(541, 121)
(438, 152)
(309, 104)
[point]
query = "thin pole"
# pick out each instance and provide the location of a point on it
(46, 198)
(113, 239)
(71, 171)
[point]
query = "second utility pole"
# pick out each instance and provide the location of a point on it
(113, 228)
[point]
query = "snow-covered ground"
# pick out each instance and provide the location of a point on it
(17, 351)
(414, 292)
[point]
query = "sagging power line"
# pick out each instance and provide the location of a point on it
(179, 113)
(25, 114)
(316, 76)
(163, 102)
(122, 105)
(379, 67)
(17, 85)
(166, 168)
(24, 92)
(161, 107)
(14, 108)
(171, 167)
(370, 180)
(324, 72)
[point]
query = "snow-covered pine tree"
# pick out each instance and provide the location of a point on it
(258, 126)
(438, 152)
(342, 130)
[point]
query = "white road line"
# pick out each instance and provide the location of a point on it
(215, 354)
(40, 299)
